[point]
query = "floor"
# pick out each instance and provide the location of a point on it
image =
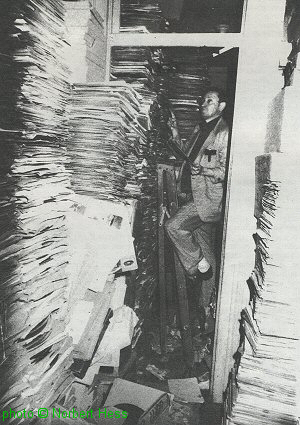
(154, 369)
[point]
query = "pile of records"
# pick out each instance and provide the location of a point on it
(146, 230)
(114, 150)
(267, 372)
(106, 135)
(35, 350)
(141, 68)
(39, 53)
(185, 78)
(137, 66)
(180, 74)
(141, 16)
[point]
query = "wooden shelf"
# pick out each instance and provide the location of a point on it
(162, 39)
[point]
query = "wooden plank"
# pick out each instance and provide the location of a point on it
(116, 16)
(244, 17)
(258, 61)
(85, 348)
(180, 276)
(109, 30)
(184, 313)
(224, 40)
(161, 260)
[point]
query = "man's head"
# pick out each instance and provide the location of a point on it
(212, 103)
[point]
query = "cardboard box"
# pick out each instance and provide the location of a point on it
(154, 403)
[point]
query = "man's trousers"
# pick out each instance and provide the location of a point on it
(192, 239)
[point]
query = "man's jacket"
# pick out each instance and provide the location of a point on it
(208, 173)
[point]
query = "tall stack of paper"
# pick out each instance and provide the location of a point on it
(113, 157)
(267, 373)
(136, 66)
(141, 15)
(34, 197)
(42, 71)
(115, 146)
(179, 74)
(185, 78)
(106, 136)
(140, 67)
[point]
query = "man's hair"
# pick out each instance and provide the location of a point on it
(220, 92)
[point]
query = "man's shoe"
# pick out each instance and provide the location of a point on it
(198, 277)
(203, 265)
(209, 325)
(205, 276)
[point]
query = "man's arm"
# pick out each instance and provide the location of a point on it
(172, 123)
(175, 140)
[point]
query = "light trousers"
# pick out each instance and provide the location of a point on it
(192, 239)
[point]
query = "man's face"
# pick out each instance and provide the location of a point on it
(210, 106)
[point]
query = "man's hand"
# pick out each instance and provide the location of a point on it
(172, 123)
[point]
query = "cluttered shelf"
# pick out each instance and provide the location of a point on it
(78, 201)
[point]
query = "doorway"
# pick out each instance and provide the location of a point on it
(173, 78)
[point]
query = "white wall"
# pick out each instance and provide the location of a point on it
(258, 82)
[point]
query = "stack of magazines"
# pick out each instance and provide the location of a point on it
(141, 16)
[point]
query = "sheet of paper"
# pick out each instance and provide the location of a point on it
(186, 389)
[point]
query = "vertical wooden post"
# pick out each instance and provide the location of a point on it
(109, 26)
(167, 189)
(161, 259)
(116, 16)
(183, 304)
(258, 80)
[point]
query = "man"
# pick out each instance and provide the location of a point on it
(192, 229)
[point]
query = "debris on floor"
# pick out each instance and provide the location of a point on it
(186, 389)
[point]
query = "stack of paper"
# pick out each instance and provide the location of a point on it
(137, 13)
(179, 74)
(42, 100)
(141, 68)
(267, 373)
(136, 66)
(114, 151)
(100, 237)
(34, 198)
(106, 135)
(113, 157)
(185, 79)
